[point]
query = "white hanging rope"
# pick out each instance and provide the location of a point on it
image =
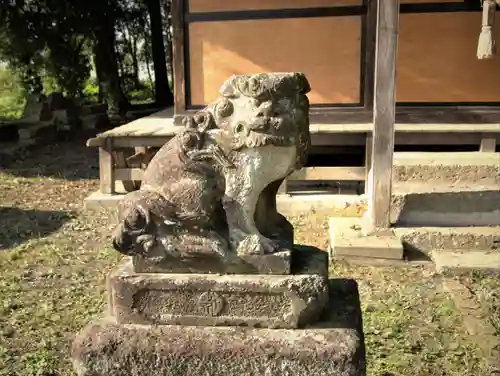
(486, 47)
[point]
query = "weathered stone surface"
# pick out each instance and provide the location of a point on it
(428, 239)
(448, 168)
(212, 188)
(459, 259)
(36, 109)
(268, 301)
(333, 347)
(275, 263)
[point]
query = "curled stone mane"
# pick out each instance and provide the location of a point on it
(201, 121)
(265, 86)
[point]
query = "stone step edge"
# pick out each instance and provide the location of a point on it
(343, 205)
(463, 260)
(429, 239)
(451, 159)
(419, 188)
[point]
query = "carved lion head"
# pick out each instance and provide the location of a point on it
(259, 110)
(137, 227)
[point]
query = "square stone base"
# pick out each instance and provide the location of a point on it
(264, 301)
(348, 240)
(332, 347)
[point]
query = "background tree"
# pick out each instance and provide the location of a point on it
(163, 94)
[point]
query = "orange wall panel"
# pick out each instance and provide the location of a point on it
(437, 60)
(327, 50)
(425, 1)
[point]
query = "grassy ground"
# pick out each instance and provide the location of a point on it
(486, 287)
(54, 259)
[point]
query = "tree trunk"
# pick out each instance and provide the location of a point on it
(119, 61)
(170, 55)
(135, 62)
(107, 61)
(170, 50)
(147, 53)
(98, 74)
(163, 94)
(148, 67)
(131, 41)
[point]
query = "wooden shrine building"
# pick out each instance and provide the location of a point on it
(383, 74)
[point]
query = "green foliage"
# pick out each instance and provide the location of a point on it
(40, 38)
(142, 95)
(68, 65)
(12, 96)
(53, 45)
(91, 92)
(49, 84)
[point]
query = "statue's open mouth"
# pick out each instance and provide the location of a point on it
(261, 124)
(126, 248)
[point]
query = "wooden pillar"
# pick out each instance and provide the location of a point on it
(106, 168)
(178, 46)
(283, 189)
(384, 111)
(368, 160)
(488, 144)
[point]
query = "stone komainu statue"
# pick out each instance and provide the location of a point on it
(209, 194)
(201, 227)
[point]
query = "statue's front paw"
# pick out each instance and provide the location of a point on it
(256, 245)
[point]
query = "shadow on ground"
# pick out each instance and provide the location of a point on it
(20, 225)
(61, 159)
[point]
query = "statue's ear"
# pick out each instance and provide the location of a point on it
(143, 206)
(138, 218)
(135, 219)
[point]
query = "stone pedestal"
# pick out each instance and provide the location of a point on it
(270, 301)
(207, 324)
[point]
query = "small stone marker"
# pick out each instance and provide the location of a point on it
(348, 240)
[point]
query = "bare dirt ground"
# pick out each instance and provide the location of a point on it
(54, 258)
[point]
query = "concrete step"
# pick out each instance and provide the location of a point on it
(458, 260)
(435, 239)
(288, 205)
(428, 204)
(451, 168)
